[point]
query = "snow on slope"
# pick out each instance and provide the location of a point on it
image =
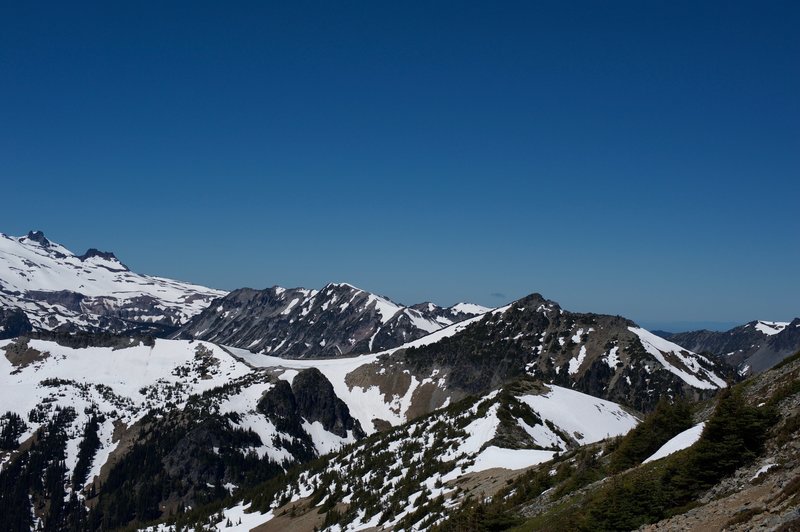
(588, 419)
(585, 418)
(432, 456)
(679, 442)
(368, 403)
(686, 367)
(771, 327)
(385, 308)
(469, 308)
(139, 378)
(124, 384)
(33, 271)
(364, 404)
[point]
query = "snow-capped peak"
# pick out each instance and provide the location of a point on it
(770, 327)
(469, 308)
(57, 288)
(343, 285)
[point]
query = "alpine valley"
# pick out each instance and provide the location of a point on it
(133, 402)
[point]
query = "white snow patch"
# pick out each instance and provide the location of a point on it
(385, 308)
(290, 306)
(326, 442)
(575, 363)
(588, 419)
(764, 469)
(699, 377)
(493, 457)
(681, 441)
(469, 308)
(771, 327)
(612, 359)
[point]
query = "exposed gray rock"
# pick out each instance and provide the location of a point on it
(337, 320)
(13, 323)
(745, 347)
(316, 401)
(310, 397)
(596, 354)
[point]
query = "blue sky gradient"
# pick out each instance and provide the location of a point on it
(634, 158)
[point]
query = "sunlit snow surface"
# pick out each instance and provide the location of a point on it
(682, 441)
(469, 308)
(237, 516)
(771, 327)
(87, 375)
(694, 374)
(588, 419)
(26, 265)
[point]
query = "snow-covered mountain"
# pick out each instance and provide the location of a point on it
(403, 479)
(605, 356)
(56, 289)
(180, 422)
(752, 347)
(256, 383)
(337, 320)
(214, 422)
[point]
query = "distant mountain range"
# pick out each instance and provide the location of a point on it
(752, 347)
(44, 286)
(138, 398)
(337, 320)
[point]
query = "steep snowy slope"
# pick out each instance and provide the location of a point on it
(337, 320)
(404, 478)
(57, 289)
(128, 388)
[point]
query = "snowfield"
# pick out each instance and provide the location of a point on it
(586, 418)
(771, 327)
(35, 266)
(679, 442)
(125, 384)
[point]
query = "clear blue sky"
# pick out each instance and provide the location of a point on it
(639, 158)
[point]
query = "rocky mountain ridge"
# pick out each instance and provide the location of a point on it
(139, 429)
(752, 347)
(605, 356)
(337, 320)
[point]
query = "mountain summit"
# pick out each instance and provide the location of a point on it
(339, 319)
(55, 289)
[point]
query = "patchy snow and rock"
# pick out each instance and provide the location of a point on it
(684, 363)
